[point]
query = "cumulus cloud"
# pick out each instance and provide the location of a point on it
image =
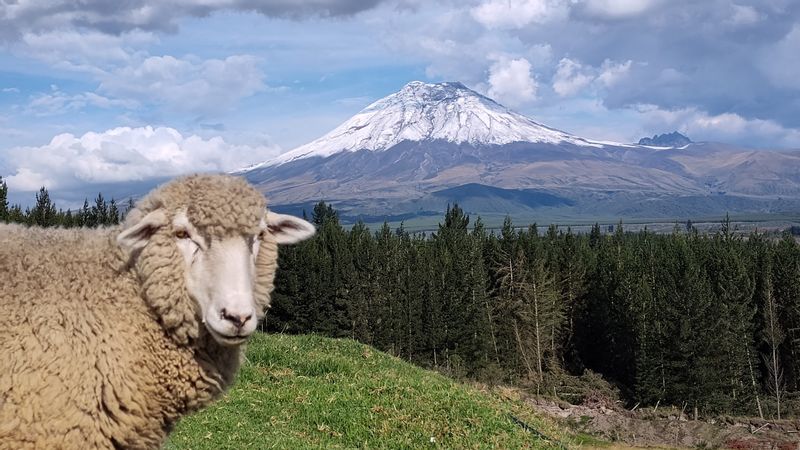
(570, 78)
(17, 18)
(743, 15)
(200, 87)
(504, 14)
(511, 81)
(123, 155)
(780, 62)
(86, 50)
(58, 102)
(618, 9)
(128, 77)
(725, 127)
(612, 73)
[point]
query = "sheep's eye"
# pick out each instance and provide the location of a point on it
(260, 236)
(181, 234)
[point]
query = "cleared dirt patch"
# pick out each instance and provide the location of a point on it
(669, 427)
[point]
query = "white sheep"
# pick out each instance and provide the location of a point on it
(109, 336)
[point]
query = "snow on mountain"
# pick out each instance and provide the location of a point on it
(421, 111)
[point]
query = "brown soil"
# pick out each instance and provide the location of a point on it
(669, 427)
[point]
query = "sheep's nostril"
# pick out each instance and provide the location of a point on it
(237, 319)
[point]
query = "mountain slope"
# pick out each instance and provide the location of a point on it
(425, 112)
(393, 157)
(315, 392)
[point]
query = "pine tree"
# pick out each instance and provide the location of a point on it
(511, 289)
(15, 214)
(733, 289)
(546, 315)
(773, 336)
(572, 261)
(786, 290)
(88, 218)
(4, 212)
(68, 220)
(113, 213)
(457, 333)
(44, 212)
(100, 211)
(363, 250)
(694, 363)
(323, 212)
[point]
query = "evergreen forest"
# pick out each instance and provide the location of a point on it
(709, 323)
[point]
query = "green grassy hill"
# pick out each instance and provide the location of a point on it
(313, 392)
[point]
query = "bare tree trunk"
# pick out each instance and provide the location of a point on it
(776, 380)
(755, 386)
(537, 330)
(522, 350)
(773, 336)
(491, 331)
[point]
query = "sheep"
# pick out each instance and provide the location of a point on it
(109, 336)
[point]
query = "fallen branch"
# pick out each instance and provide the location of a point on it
(534, 431)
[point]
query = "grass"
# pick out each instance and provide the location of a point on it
(299, 392)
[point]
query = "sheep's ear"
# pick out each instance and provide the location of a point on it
(137, 230)
(288, 229)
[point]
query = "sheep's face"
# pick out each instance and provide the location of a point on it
(223, 270)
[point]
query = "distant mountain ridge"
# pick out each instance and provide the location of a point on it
(414, 151)
(673, 139)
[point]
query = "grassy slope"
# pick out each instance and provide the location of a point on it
(314, 392)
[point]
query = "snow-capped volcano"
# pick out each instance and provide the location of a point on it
(427, 145)
(422, 111)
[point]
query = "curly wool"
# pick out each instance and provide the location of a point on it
(104, 349)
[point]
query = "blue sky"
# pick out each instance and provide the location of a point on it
(96, 92)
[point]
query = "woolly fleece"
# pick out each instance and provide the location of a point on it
(100, 348)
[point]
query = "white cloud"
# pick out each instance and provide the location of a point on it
(200, 87)
(612, 73)
(122, 155)
(725, 127)
(10, 90)
(130, 77)
(505, 14)
(19, 17)
(58, 102)
(743, 15)
(511, 81)
(570, 78)
(780, 62)
(619, 9)
(86, 51)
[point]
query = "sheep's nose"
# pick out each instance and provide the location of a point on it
(237, 319)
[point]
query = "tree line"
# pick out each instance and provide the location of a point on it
(707, 322)
(45, 214)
